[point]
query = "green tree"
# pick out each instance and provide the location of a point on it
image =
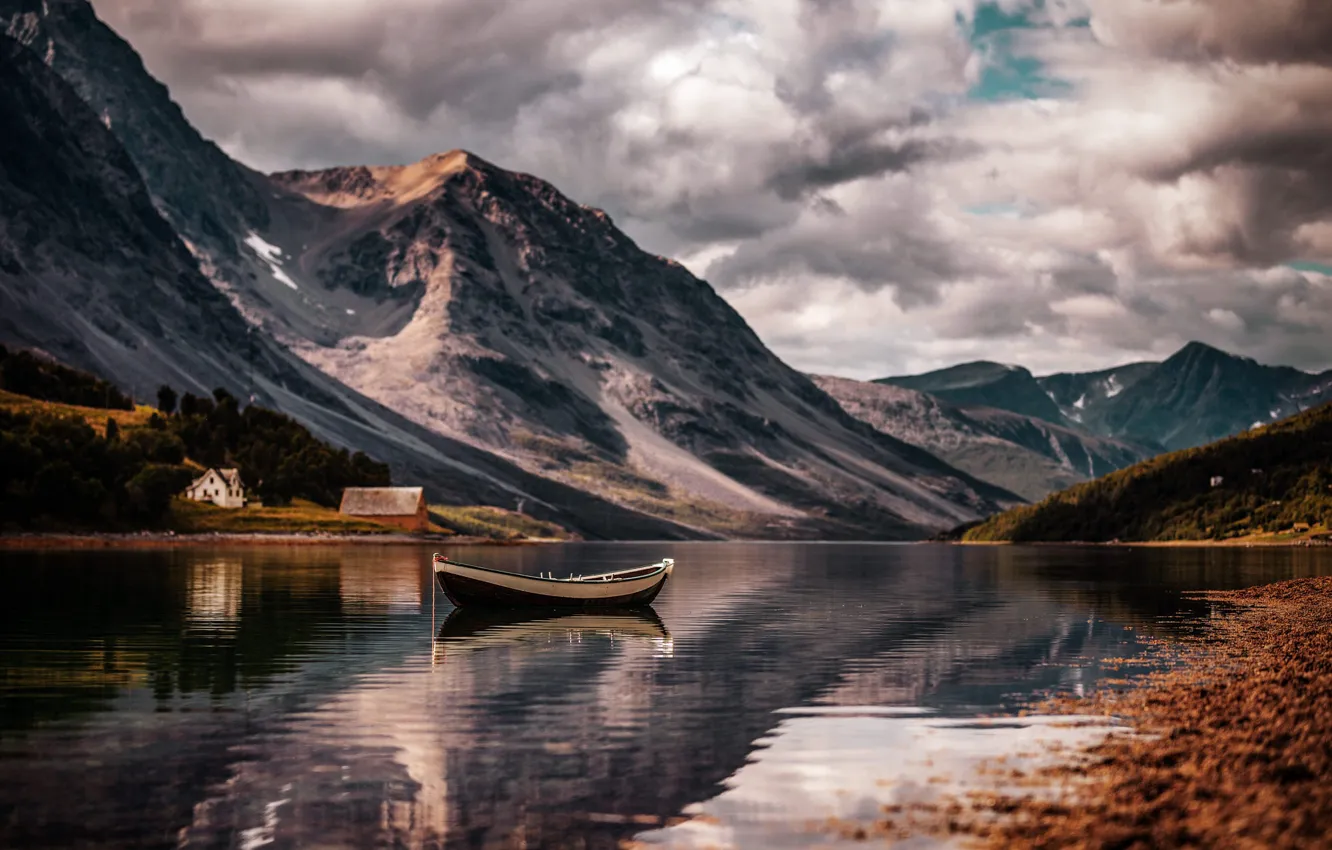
(149, 492)
(166, 399)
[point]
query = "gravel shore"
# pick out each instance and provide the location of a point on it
(1232, 748)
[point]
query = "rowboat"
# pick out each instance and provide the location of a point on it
(468, 584)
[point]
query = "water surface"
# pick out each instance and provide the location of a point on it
(280, 697)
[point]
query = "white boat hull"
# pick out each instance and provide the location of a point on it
(468, 585)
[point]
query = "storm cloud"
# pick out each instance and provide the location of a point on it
(879, 186)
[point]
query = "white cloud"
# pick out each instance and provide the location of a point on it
(822, 162)
(1226, 320)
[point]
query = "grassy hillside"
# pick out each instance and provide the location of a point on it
(300, 517)
(1271, 478)
(486, 521)
(93, 416)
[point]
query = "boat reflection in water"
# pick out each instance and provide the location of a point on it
(471, 629)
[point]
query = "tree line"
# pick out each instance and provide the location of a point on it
(24, 373)
(58, 472)
(278, 458)
(1268, 479)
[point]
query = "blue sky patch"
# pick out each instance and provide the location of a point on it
(1306, 266)
(1008, 75)
(991, 19)
(996, 210)
(1016, 78)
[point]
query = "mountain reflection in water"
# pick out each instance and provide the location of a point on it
(244, 697)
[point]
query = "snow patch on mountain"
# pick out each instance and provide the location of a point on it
(272, 257)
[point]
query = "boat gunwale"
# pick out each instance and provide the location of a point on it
(657, 568)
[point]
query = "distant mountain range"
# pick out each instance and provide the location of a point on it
(1198, 395)
(1037, 435)
(484, 334)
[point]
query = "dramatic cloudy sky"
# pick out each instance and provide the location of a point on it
(879, 186)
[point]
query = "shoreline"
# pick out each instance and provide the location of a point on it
(1230, 745)
(160, 540)
(1235, 543)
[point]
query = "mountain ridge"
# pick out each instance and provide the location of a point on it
(1197, 395)
(988, 384)
(536, 278)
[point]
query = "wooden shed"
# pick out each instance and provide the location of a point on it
(404, 507)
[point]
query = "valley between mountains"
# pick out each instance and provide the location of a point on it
(500, 343)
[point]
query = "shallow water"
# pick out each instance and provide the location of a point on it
(282, 697)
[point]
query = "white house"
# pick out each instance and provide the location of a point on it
(222, 487)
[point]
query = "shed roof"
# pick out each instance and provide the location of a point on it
(381, 501)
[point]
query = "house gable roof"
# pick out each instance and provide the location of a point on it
(226, 477)
(207, 474)
(381, 501)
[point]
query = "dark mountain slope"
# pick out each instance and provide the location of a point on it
(1266, 479)
(89, 271)
(1084, 396)
(1202, 394)
(206, 196)
(995, 385)
(1198, 395)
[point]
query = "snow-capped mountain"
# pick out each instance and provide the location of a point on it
(486, 335)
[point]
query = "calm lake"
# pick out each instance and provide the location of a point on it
(279, 697)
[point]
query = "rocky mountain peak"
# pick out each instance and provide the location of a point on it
(1198, 352)
(347, 187)
(537, 328)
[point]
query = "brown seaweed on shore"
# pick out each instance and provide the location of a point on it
(1233, 749)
